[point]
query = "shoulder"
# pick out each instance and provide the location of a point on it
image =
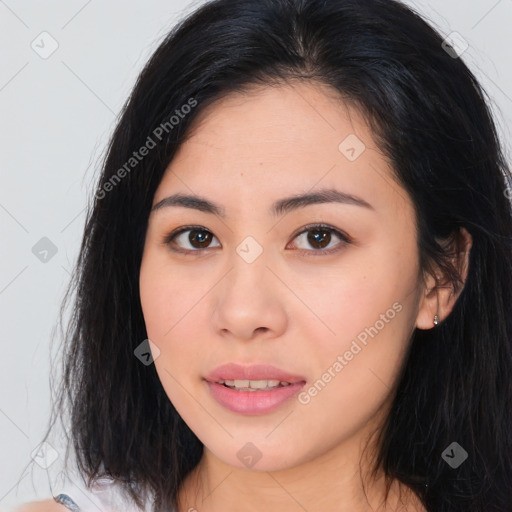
(42, 506)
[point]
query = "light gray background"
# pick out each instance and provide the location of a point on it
(56, 116)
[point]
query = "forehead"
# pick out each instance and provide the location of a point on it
(296, 113)
(270, 141)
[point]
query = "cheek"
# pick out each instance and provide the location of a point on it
(354, 372)
(164, 310)
(152, 297)
(354, 295)
(163, 294)
(171, 302)
(370, 311)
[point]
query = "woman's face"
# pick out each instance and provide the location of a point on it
(249, 284)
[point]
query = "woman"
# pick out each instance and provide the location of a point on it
(294, 286)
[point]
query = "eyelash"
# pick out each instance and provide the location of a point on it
(345, 239)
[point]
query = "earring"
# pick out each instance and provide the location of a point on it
(436, 320)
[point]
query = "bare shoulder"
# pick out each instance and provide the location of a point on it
(42, 506)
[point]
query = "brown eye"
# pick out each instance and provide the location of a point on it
(190, 239)
(317, 239)
(201, 238)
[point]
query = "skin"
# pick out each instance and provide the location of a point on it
(42, 506)
(286, 308)
(297, 310)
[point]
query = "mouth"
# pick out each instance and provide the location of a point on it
(254, 389)
(254, 385)
(252, 377)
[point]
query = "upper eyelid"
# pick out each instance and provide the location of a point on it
(327, 227)
(344, 237)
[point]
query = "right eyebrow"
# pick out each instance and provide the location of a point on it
(278, 207)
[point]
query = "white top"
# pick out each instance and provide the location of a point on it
(104, 496)
(63, 478)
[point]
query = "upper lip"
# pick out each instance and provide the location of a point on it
(234, 371)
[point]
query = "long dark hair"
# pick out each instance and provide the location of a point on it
(431, 118)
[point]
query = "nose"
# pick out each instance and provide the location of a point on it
(250, 302)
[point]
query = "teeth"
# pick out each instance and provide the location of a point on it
(254, 385)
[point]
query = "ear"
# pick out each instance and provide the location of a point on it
(440, 292)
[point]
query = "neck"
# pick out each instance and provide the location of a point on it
(333, 481)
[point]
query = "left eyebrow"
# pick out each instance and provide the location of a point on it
(279, 207)
(322, 196)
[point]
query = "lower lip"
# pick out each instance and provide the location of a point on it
(253, 402)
